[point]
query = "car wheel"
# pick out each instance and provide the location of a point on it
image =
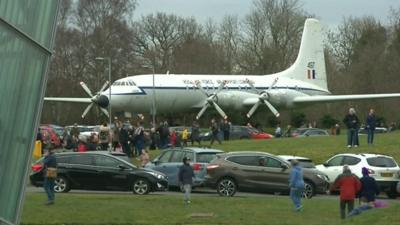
(61, 184)
(309, 190)
(226, 187)
(141, 186)
(391, 194)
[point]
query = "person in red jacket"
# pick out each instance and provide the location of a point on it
(349, 185)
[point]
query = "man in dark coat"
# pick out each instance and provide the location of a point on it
(370, 124)
(49, 161)
(352, 123)
(185, 177)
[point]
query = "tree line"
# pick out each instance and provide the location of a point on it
(362, 54)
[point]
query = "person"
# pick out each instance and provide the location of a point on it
(92, 143)
(173, 139)
(185, 136)
(349, 185)
(124, 140)
(296, 184)
(278, 131)
(115, 132)
(75, 131)
(144, 157)
(139, 139)
(352, 123)
(104, 136)
(153, 139)
(195, 137)
(39, 138)
(49, 163)
(370, 124)
(185, 177)
(214, 132)
(369, 188)
(82, 146)
(288, 132)
(226, 127)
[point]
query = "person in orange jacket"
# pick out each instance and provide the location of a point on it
(349, 185)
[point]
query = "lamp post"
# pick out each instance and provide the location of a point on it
(153, 108)
(109, 80)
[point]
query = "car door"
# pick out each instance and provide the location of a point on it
(161, 163)
(172, 167)
(274, 176)
(111, 176)
(82, 172)
(333, 167)
(246, 171)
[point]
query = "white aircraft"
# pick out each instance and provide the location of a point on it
(303, 82)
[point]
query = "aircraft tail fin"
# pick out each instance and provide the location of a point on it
(310, 62)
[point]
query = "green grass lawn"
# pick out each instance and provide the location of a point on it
(96, 209)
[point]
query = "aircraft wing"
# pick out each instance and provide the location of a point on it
(56, 99)
(333, 98)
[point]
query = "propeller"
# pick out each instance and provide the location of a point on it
(263, 98)
(100, 100)
(211, 100)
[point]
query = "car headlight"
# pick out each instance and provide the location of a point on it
(159, 176)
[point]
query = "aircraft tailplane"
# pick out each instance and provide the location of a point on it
(310, 62)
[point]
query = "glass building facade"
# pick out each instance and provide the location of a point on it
(27, 29)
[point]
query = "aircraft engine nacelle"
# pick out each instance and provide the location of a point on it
(284, 98)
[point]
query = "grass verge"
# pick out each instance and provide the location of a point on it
(118, 209)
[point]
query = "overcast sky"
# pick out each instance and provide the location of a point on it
(330, 12)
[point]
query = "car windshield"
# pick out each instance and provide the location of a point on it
(381, 162)
(205, 157)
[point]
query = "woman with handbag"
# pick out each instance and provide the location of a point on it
(50, 174)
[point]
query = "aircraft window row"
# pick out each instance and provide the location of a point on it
(124, 83)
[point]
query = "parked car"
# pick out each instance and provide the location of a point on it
(309, 132)
(383, 168)
(258, 172)
(48, 133)
(100, 170)
(378, 130)
(240, 132)
(171, 159)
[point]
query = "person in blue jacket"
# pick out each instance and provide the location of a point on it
(369, 188)
(296, 185)
(370, 124)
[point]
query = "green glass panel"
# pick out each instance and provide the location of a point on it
(23, 67)
(34, 17)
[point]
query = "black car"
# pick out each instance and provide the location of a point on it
(100, 170)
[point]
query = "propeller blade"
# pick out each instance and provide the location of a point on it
(220, 111)
(202, 110)
(273, 83)
(87, 90)
(87, 110)
(272, 108)
(104, 87)
(252, 86)
(253, 109)
(198, 85)
(105, 112)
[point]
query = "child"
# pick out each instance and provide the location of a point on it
(185, 177)
(185, 137)
(144, 157)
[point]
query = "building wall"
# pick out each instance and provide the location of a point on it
(27, 30)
